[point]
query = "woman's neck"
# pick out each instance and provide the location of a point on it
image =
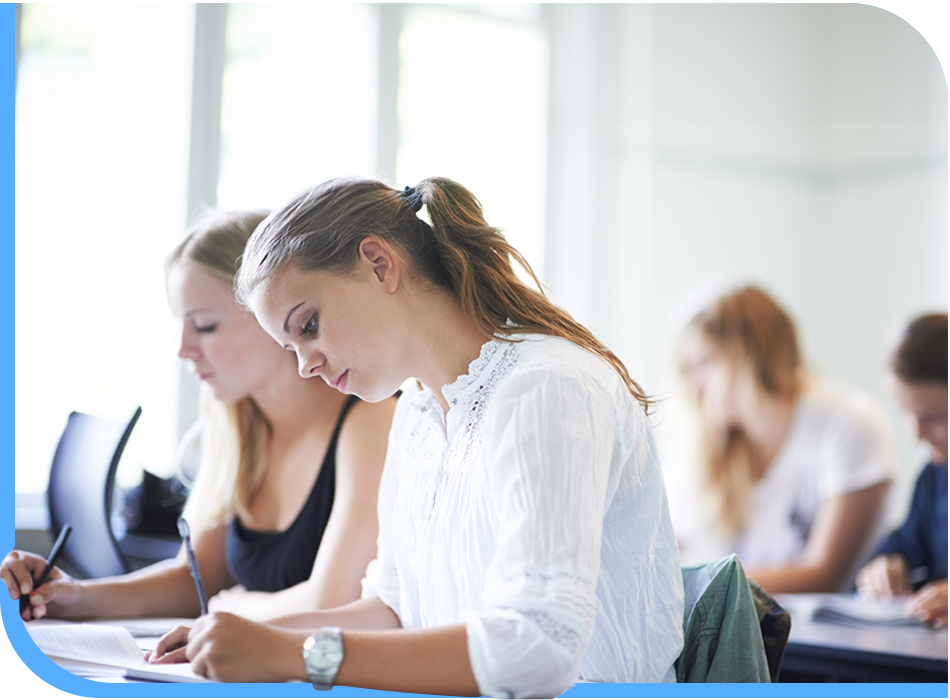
(293, 405)
(446, 342)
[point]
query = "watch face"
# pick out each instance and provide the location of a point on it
(326, 653)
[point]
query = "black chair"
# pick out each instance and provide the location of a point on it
(81, 485)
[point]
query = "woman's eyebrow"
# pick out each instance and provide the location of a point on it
(289, 314)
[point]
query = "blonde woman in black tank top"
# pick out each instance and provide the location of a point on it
(275, 448)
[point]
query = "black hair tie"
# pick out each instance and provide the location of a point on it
(412, 197)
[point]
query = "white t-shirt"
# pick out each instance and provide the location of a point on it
(839, 441)
(535, 513)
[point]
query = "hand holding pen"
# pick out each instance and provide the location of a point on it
(25, 573)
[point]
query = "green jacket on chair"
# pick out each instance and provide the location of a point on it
(734, 632)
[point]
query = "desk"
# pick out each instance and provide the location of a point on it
(866, 653)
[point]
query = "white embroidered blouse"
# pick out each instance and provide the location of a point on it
(534, 512)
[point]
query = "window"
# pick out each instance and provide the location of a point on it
(298, 102)
(473, 107)
(103, 122)
(101, 149)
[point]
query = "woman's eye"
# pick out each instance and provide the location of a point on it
(209, 328)
(309, 329)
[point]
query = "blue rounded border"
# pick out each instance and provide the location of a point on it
(43, 668)
(63, 680)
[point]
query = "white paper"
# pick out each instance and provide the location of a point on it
(86, 649)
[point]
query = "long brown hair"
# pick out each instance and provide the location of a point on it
(235, 436)
(459, 251)
(748, 322)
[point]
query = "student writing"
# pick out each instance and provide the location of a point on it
(525, 540)
(791, 470)
(912, 560)
(283, 509)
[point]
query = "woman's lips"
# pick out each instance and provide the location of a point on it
(340, 382)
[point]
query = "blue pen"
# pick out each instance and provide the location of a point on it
(185, 533)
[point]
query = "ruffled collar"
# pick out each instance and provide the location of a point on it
(479, 370)
(466, 385)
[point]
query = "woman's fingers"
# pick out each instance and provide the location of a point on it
(170, 642)
(930, 603)
(883, 577)
(18, 570)
(177, 656)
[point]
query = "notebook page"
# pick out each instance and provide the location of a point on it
(93, 643)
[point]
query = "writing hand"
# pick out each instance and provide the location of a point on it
(18, 571)
(930, 603)
(884, 577)
(226, 647)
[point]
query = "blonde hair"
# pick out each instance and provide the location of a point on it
(321, 229)
(750, 323)
(235, 436)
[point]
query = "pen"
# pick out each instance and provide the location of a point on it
(50, 563)
(185, 533)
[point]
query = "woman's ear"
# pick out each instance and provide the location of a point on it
(382, 261)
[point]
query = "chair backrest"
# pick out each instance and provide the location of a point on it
(81, 482)
(724, 621)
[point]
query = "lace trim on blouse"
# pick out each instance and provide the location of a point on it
(562, 635)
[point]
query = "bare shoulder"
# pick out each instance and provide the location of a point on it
(364, 435)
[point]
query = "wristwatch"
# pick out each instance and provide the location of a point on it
(322, 655)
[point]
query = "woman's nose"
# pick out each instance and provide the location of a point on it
(309, 365)
(188, 347)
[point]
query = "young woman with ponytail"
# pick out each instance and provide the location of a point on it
(525, 541)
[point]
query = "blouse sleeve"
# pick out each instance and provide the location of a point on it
(549, 437)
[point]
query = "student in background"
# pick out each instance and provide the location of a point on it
(791, 472)
(524, 533)
(913, 559)
(283, 511)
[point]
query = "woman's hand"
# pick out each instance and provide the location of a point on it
(885, 577)
(226, 647)
(18, 571)
(170, 648)
(930, 603)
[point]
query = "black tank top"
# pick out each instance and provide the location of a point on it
(273, 561)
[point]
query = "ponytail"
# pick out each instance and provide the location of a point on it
(478, 262)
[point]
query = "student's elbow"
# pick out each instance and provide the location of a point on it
(513, 658)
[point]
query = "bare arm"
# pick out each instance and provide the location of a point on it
(368, 613)
(349, 542)
(163, 589)
(840, 531)
(435, 660)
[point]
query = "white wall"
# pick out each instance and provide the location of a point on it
(800, 146)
